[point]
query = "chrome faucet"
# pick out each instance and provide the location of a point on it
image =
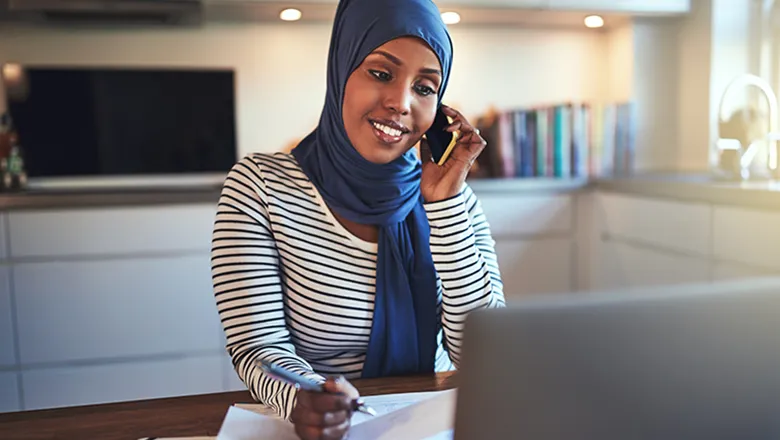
(747, 155)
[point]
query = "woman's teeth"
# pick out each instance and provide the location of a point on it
(387, 130)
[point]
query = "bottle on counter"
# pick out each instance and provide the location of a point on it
(14, 175)
(7, 136)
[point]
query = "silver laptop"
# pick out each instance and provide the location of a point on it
(683, 362)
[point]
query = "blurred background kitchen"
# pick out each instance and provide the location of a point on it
(632, 143)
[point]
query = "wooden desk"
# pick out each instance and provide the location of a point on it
(200, 415)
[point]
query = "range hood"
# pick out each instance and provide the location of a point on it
(112, 11)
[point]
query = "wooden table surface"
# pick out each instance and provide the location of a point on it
(199, 415)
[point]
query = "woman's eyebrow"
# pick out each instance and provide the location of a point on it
(397, 61)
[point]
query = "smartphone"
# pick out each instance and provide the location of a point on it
(441, 142)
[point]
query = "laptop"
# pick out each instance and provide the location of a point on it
(699, 361)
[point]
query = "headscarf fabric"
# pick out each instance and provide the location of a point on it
(405, 325)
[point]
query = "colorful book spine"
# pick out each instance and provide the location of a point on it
(550, 143)
(596, 164)
(541, 142)
(529, 145)
(563, 141)
(506, 145)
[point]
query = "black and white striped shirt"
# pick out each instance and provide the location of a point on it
(292, 285)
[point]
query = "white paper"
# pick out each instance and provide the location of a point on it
(430, 419)
(382, 404)
(241, 424)
(388, 403)
(421, 416)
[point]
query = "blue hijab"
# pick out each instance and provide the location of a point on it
(405, 323)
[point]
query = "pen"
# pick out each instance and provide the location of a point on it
(304, 383)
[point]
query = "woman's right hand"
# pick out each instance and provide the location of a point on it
(325, 415)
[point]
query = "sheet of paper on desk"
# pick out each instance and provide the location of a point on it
(241, 424)
(382, 404)
(410, 416)
(388, 403)
(431, 418)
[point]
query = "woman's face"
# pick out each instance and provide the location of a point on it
(390, 99)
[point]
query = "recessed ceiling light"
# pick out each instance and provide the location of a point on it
(450, 17)
(12, 71)
(594, 21)
(290, 14)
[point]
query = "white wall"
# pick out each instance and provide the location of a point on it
(620, 63)
(656, 88)
(281, 68)
(694, 66)
(642, 67)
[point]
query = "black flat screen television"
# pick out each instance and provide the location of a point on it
(102, 122)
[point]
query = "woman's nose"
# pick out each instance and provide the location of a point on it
(399, 99)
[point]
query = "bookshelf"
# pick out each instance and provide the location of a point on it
(558, 141)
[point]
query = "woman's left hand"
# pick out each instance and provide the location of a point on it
(446, 181)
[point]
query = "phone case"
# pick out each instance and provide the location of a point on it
(441, 142)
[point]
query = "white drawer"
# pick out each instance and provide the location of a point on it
(535, 266)
(84, 385)
(9, 392)
(666, 224)
(730, 271)
(7, 354)
(87, 310)
(111, 230)
(747, 236)
(626, 266)
(526, 215)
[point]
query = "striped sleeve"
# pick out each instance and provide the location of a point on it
(248, 288)
(465, 259)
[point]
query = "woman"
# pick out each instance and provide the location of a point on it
(351, 257)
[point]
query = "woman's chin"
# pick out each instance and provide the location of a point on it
(380, 156)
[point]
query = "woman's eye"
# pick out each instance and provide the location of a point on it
(424, 90)
(381, 76)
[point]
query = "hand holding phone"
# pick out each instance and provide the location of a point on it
(448, 150)
(440, 141)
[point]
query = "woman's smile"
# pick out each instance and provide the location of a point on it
(388, 132)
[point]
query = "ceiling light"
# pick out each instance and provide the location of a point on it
(450, 17)
(594, 21)
(12, 72)
(290, 15)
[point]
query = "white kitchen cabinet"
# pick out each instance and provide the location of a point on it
(76, 232)
(515, 216)
(627, 266)
(651, 7)
(535, 266)
(3, 236)
(92, 384)
(731, 271)
(685, 227)
(7, 351)
(9, 392)
(87, 310)
(747, 236)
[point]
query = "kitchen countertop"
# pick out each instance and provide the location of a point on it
(697, 189)
(82, 198)
(682, 187)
